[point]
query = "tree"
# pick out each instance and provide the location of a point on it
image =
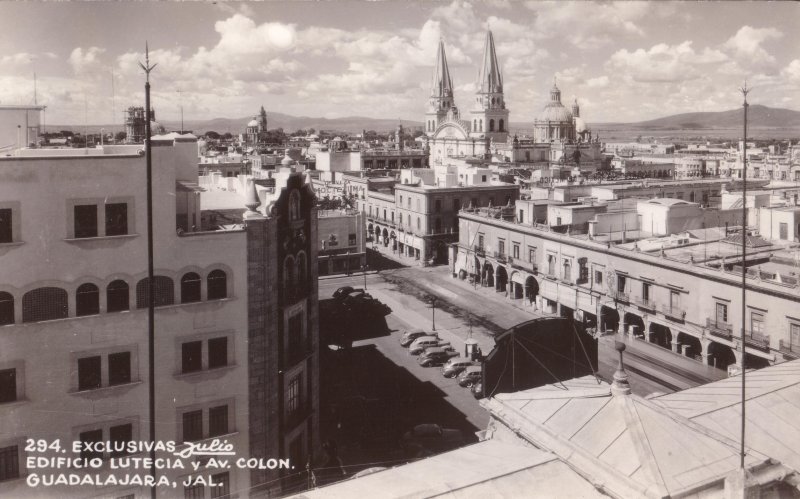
(120, 136)
(211, 134)
(66, 133)
(228, 136)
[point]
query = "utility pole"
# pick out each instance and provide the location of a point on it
(151, 352)
(744, 91)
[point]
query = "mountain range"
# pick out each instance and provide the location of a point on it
(758, 117)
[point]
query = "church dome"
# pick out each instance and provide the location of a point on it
(580, 125)
(555, 112)
(253, 123)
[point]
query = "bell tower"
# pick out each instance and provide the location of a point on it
(489, 116)
(441, 99)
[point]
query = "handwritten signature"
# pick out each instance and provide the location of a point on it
(213, 448)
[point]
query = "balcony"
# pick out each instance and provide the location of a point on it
(787, 348)
(621, 296)
(500, 256)
(479, 250)
(719, 329)
(673, 312)
(756, 340)
(523, 265)
(645, 303)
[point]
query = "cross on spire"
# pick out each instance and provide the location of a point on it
(146, 66)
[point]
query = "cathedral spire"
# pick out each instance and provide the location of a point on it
(490, 79)
(442, 84)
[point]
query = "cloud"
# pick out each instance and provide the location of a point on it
(746, 43)
(792, 71)
(598, 82)
(85, 61)
(664, 63)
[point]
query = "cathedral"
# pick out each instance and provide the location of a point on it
(255, 134)
(561, 140)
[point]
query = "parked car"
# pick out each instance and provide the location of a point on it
(344, 291)
(477, 390)
(435, 356)
(359, 302)
(454, 366)
(420, 344)
(470, 376)
(412, 334)
(428, 439)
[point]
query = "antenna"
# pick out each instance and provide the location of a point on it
(34, 89)
(113, 100)
(744, 90)
(180, 102)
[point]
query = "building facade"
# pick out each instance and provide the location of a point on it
(74, 342)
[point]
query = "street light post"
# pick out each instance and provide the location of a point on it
(364, 269)
(433, 313)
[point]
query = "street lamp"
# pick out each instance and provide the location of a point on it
(433, 312)
(364, 269)
(102, 132)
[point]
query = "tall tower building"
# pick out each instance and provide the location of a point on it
(441, 100)
(489, 117)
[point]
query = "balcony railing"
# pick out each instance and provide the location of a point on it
(523, 265)
(500, 256)
(479, 250)
(673, 311)
(621, 296)
(756, 340)
(645, 303)
(720, 329)
(786, 347)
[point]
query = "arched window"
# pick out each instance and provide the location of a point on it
(491, 125)
(217, 285)
(117, 296)
(474, 125)
(302, 274)
(6, 308)
(294, 205)
(87, 300)
(502, 124)
(44, 304)
(163, 292)
(288, 278)
(567, 271)
(190, 287)
(480, 125)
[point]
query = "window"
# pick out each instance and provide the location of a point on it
(44, 304)
(521, 216)
(195, 491)
(294, 342)
(583, 270)
(6, 308)
(722, 313)
(531, 254)
(674, 300)
(119, 435)
(217, 352)
(598, 277)
(85, 220)
(483, 178)
(551, 265)
(293, 395)
(87, 300)
(501, 247)
(8, 385)
(480, 241)
(89, 377)
(567, 270)
(119, 368)
(456, 204)
(90, 436)
(794, 334)
(437, 206)
(418, 223)
(621, 282)
(757, 322)
(190, 288)
(783, 229)
(401, 200)
(218, 421)
(116, 219)
(9, 463)
(515, 250)
(163, 291)
(217, 285)
(117, 296)
(191, 356)
(223, 488)
(351, 238)
(192, 426)
(646, 291)
(6, 229)
(474, 202)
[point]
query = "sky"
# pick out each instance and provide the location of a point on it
(623, 61)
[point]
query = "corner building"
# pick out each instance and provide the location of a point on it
(236, 324)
